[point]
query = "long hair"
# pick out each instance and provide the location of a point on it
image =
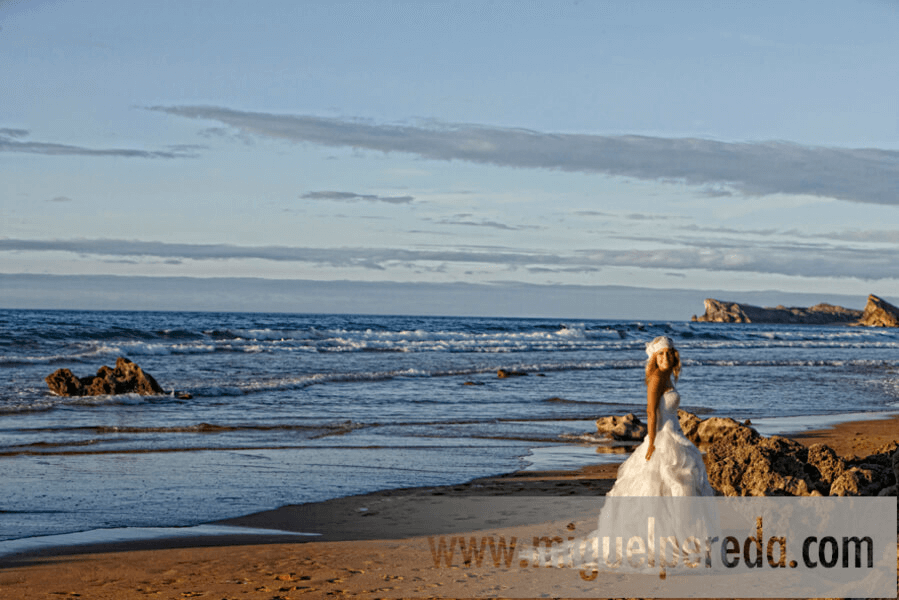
(652, 368)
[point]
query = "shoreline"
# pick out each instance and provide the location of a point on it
(352, 531)
(849, 439)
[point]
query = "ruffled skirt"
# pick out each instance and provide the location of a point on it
(675, 469)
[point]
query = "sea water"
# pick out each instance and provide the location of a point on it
(286, 409)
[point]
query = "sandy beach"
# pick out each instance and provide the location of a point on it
(372, 545)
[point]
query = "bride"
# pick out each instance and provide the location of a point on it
(666, 463)
(656, 478)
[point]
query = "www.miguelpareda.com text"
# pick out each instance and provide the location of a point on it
(596, 552)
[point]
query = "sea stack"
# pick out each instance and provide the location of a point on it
(879, 313)
(718, 311)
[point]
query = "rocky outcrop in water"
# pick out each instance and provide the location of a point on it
(718, 311)
(626, 428)
(879, 313)
(125, 378)
(505, 373)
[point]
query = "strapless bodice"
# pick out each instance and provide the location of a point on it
(676, 467)
(669, 404)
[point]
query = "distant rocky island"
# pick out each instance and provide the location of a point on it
(877, 313)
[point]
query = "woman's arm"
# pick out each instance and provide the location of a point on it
(653, 393)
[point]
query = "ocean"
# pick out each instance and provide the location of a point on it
(287, 409)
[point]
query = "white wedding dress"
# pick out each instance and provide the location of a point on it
(676, 467)
(651, 498)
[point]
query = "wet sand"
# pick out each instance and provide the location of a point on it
(371, 545)
(854, 438)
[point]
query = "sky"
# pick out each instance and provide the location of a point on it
(659, 145)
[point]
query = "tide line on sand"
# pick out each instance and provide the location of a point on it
(118, 535)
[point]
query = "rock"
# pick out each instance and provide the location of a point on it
(689, 423)
(628, 427)
(714, 428)
(867, 476)
(740, 462)
(703, 432)
(893, 490)
(879, 313)
(743, 463)
(64, 383)
(718, 311)
(126, 378)
(856, 481)
(503, 373)
(827, 465)
(889, 491)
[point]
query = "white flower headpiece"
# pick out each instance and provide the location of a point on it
(657, 344)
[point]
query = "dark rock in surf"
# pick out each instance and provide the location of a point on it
(64, 383)
(504, 373)
(125, 378)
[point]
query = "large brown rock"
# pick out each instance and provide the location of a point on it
(742, 464)
(626, 428)
(857, 481)
(714, 428)
(827, 464)
(718, 311)
(703, 432)
(879, 313)
(126, 378)
(689, 424)
(63, 382)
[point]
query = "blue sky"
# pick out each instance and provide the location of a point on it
(688, 145)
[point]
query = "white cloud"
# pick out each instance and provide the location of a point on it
(353, 197)
(792, 259)
(10, 141)
(718, 168)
